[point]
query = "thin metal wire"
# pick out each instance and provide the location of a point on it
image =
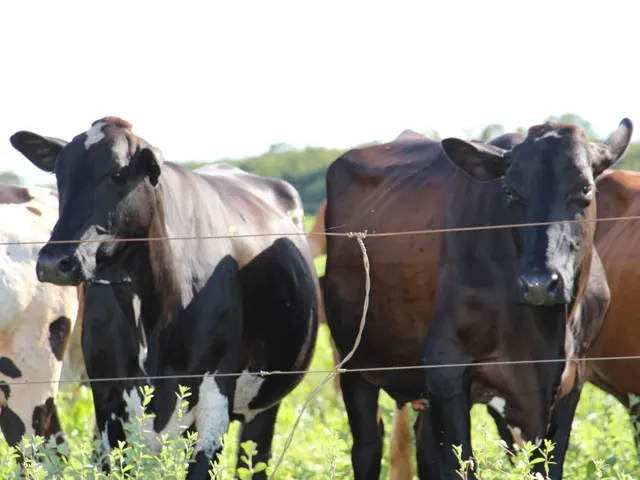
(264, 373)
(328, 234)
(332, 373)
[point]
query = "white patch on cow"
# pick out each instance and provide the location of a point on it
(550, 134)
(142, 346)
(105, 438)
(212, 416)
(94, 135)
(28, 307)
(538, 441)
(498, 404)
(555, 232)
(133, 406)
(247, 388)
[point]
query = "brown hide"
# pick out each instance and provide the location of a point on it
(617, 243)
(403, 268)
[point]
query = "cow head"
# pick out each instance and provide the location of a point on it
(549, 177)
(106, 180)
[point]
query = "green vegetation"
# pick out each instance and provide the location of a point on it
(601, 443)
(601, 439)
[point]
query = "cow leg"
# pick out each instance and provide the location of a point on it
(212, 418)
(426, 452)
(559, 432)
(367, 429)
(449, 409)
(260, 430)
(503, 431)
(110, 414)
(400, 467)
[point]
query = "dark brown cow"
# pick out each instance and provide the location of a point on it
(553, 273)
(618, 195)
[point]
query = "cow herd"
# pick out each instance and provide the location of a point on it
(163, 276)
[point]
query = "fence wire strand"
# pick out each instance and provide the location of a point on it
(325, 233)
(338, 368)
(332, 372)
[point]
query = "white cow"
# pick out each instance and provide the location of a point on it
(36, 319)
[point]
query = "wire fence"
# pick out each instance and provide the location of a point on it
(360, 236)
(365, 234)
(338, 368)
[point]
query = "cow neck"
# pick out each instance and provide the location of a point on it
(155, 282)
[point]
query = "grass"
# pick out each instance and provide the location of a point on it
(601, 443)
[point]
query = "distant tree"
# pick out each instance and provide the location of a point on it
(432, 133)
(577, 120)
(280, 148)
(10, 177)
(491, 131)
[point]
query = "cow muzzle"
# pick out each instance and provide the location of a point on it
(57, 267)
(540, 288)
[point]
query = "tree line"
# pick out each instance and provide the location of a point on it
(305, 168)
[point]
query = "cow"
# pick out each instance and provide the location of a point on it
(463, 297)
(618, 196)
(218, 309)
(36, 319)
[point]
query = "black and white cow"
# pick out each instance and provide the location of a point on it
(207, 306)
(36, 319)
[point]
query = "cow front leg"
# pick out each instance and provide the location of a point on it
(449, 408)
(367, 429)
(212, 417)
(426, 452)
(559, 432)
(260, 430)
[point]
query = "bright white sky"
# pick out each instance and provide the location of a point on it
(211, 79)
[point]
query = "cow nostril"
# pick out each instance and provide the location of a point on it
(65, 265)
(554, 282)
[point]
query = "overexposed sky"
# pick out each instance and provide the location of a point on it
(210, 79)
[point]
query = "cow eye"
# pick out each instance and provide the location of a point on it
(586, 190)
(120, 177)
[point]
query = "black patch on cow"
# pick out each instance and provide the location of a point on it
(4, 387)
(8, 368)
(14, 194)
(45, 419)
(59, 331)
(12, 427)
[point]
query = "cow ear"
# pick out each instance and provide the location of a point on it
(41, 151)
(480, 161)
(148, 162)
(611, 151)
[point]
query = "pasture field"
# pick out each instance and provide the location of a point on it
(601, 442)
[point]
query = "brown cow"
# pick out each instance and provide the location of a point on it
(616, 241)
(409, 184)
